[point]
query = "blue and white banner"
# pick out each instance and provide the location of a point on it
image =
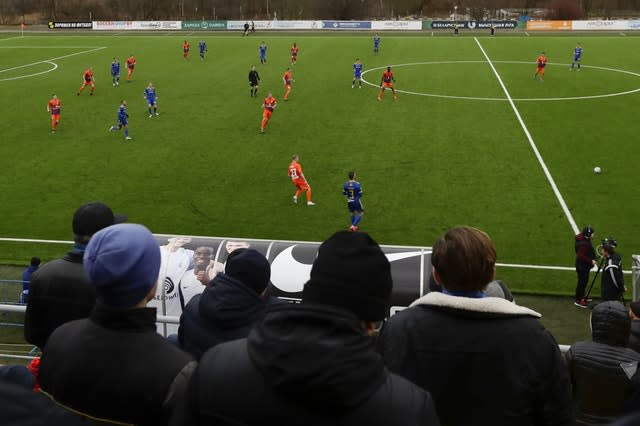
(396, 25)
(275, 25)
(346, 25)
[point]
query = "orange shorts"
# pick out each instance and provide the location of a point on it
(88, 83)
(267, 113)
(55, 117)
(301, 184)
(540, 70)
(387, 85)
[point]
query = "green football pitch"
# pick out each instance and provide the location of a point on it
(472, 139)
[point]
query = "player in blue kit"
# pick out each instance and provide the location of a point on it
(376, 44)
(122, 120)
(353, 191)
(115, 72)
(577, 55)
(263, 52)
(203, 48)
(150, 96)
(357, 74)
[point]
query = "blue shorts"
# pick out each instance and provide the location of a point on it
(123, 122)
(576, 58)
(355, 207)
(151, 101)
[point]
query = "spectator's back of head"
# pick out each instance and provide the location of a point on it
(92, 217)
(35, 261)
(353, 273)
(464, 258)
(249, 267)
(610, 323)
(123, 263)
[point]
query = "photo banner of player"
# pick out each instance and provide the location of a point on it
(204, 25)
(473, 25)
(70, 25)
(291, 263)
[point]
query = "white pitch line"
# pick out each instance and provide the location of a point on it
(10, 38)
(46, 47)
(526, 33)
(53, 59)
(532, 143)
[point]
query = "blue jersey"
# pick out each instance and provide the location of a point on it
(357, 70)
(353, 191)
(376, 42)
(577, 53)
(263, 50)
(203, 47)
(115, 68)
(122, 115)
(150, 94)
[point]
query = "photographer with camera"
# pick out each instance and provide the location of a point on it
(585, 260)
(612, 286)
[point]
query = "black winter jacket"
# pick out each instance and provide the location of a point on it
(304, 365)
(601, 369)
(59, 293)
(612, 278)
(113, 365)
(486, 361)
(226, 310)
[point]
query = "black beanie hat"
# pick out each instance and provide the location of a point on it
(249, 267)
(353, 273)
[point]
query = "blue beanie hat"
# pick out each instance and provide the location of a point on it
(123, 263)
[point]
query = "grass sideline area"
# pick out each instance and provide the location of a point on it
(428, 161)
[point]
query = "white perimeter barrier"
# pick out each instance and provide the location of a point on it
(137, 25)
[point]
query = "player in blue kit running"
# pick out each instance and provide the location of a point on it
(150, 96)
(115, 72)
(357, 74)
(122, 120)
(577, 55)
(376, 44)
(353, 191)
(263, 52)
(203, 48)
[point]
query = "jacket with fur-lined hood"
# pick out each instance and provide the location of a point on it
(486, 361)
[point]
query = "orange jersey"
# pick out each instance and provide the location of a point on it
(294, 51)
(387, 77)
(54, 106)
(131, 62)
(88, 75)
(295, 172)
(269, 104)
(542, 61)
(185, 47)
(287, 77)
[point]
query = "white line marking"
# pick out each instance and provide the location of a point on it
(10, 38)
(55, 66)
(53, 59)
(472, 98)
(526, 33)
(622, 34)
(46, 47)
(547, 173)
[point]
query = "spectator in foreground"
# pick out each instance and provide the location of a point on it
(113, 365)
(485, 360)
(228, 306)
(634, 335)
(26, 279)
(59, 290)
(314, 363)
(601, 369)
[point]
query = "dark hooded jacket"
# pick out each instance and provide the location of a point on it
(304, 365)
(226, 310)
(600, 369)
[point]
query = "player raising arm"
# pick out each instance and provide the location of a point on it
(150, 96)
(387, 82)
(577, 56)
(53, 107)
(87, 80)
(541, 63)
(268, 105)
(123, 120)
(353, 191)
(298, 179)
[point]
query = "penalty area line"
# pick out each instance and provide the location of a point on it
(53, 59)
(532, 143)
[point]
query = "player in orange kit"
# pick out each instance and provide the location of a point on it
(131, 64)
(387, 82)
(185, 50)
(269, 104)
(287, 77)
(87, 80)
(294, 54)
(53, 107)
(541, 63)
(298, 179)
